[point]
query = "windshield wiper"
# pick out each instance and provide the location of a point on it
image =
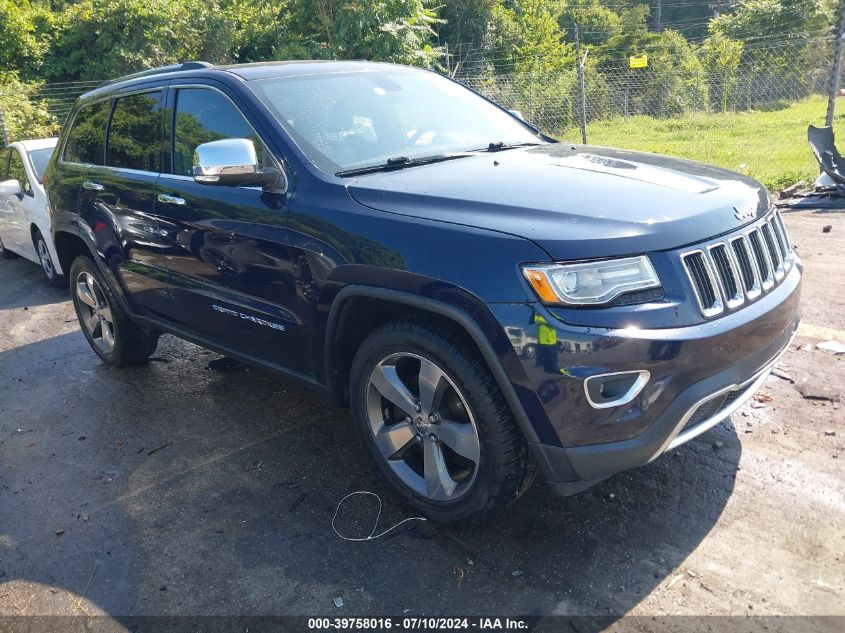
(498, 146)
(401, 162)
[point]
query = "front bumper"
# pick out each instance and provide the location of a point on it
(699, 375)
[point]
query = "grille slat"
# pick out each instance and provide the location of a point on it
(701, 275)
(780, 231)
(761, 259)
(726, 274)
(750, 278)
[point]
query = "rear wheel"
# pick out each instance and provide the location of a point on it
(113, 336)
(6, 253)
(436, 422)
(47, 266)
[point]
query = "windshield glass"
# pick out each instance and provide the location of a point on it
(349, 120)
(40, 158)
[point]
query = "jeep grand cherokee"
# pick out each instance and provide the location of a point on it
(490, 302)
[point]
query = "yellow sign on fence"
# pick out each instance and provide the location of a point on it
(639, 61)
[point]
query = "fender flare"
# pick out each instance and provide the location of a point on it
(108, 275)
(454, 314)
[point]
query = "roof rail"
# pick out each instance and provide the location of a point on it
(173, 68)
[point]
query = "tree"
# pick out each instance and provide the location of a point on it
(632, 35)
(465, 21)
(23, 115)
(720, 57)
(385, 30)
(259, 29)
(676, 81)
(102, 39)
(596, 23)
(24, 40)
(756, 19)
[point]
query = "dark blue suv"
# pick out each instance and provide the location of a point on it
(492, 303)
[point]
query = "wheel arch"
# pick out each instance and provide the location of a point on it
(356, 310)
(69, 246)
(70, 243)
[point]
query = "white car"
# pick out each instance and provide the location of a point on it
(24, 214)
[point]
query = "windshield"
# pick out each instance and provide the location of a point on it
(345, 121)
(40, 158)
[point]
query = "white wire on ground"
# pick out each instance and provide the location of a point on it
(372, 535)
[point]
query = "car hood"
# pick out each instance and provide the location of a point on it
(574, 201)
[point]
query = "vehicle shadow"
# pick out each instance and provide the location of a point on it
(34, 291)
(175, 489)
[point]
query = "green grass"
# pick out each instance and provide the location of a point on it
(769, 146)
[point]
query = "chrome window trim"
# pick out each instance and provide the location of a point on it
(163, 176)
(739, 297)
(718, 306)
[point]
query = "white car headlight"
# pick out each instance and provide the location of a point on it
(591, 282)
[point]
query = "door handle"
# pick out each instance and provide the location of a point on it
(92, 186)
(167, 199)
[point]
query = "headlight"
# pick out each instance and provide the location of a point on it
(591, 283)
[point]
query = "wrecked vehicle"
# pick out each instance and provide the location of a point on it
(490, 302)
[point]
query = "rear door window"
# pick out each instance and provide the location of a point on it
(17, 172)
(85, 139)
(40, 158)
(4, 164)
(134, 136)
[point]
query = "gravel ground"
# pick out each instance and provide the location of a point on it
(175, 489)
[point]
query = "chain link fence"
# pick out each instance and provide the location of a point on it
(748, 113)
(762, 78)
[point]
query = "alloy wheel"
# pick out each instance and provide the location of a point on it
(94, 312)
(423, 427)
(44, 257)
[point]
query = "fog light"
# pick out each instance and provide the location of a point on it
(614, 389)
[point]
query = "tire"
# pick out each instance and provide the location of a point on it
(6, 253)
(113, 336)
(427, 454)
(47, 266)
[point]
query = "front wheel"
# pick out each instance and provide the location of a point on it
(436, 423)
(113, 336)
(47, 266)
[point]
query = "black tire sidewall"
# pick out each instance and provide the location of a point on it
(133, 345)
(85, 264)
(470, 383)
(55, 277)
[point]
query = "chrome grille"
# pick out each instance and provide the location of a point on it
(700, 273)
(727, 274)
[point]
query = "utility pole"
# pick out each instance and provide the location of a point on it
(837, 66)
(658, 15)
(582, 91)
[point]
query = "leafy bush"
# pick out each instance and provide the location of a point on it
(24, 117)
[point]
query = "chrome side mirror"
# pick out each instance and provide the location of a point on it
(230, 161)
(10, 188)
(517, 114)
(233, 161)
